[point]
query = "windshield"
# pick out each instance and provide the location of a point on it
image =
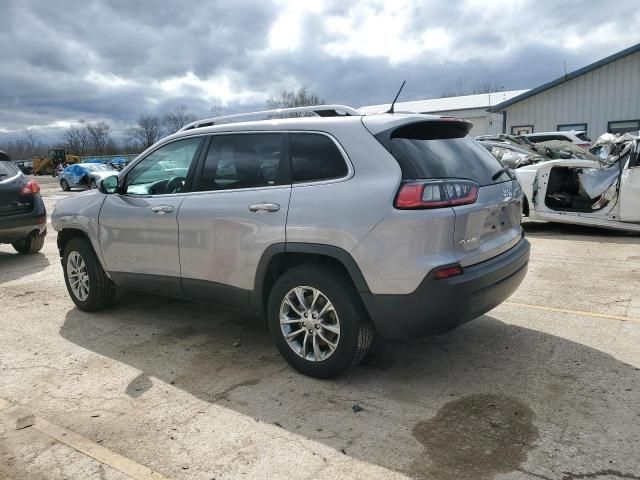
(443, 150)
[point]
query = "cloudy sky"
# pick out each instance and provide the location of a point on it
(113, 59)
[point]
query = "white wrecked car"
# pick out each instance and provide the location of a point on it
(604, 192)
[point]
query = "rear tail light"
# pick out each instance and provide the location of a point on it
(448, 271)
(436, 194)
(30, 188)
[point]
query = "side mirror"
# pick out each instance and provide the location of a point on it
(108, 184)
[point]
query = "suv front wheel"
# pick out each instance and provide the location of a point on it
(318, 321)
(87, 284)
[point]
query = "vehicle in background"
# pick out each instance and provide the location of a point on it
(23, 218)
(547, 150)
(118, 163)
(603, 192)
(84, 175)
(25, 166)
(292, 218)
(49, 165)
(498, 137)
(510, 155)
(577, 137)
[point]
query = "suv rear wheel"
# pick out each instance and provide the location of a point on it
(29, 244)
(87, 284)
(318, 321)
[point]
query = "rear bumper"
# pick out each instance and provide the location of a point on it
(30, 224)
(438, 306)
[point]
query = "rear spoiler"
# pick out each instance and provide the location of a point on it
(436, 129)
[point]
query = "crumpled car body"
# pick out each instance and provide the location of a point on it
(602, 192)
(510, 155)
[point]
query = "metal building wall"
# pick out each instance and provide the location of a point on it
(609, 93)
(484, 123)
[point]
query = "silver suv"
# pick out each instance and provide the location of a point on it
(336, 227)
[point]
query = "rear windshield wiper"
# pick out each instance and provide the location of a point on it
(506, 170)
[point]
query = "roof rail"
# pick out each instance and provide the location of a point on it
(321, 110)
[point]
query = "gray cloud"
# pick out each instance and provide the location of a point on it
(64, 60)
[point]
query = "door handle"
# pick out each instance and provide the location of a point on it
(264, 207)
(162, 209)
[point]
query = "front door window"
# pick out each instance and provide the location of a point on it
(164, 171)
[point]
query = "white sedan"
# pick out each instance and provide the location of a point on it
(602, 193)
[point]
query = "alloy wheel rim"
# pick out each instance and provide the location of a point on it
(78, 276)
(309, 323)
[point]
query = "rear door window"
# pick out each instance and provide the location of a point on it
(315, 157)
(8, 169)
(426, 150)
(247, 160)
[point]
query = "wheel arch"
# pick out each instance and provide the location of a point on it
(66, 234)
(280, 257)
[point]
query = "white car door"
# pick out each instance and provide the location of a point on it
(630, 189)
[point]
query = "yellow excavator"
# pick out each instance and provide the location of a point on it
(49, 165)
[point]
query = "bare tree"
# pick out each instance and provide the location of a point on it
(76, 139)
(147, 131)
(178, 118)
(19, 149)
(32, 140)
(462, 87)
(98, 134)
(218, 109)
(290, 99)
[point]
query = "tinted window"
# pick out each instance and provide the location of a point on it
(624, 126)
(546, 138)
(163, 171)
(242, 161)
(315, 157)
(440, 150)
(8, 169)
(572, 127)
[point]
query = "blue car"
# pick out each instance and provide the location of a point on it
(84, 175)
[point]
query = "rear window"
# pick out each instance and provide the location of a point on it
(8, 169)
(315, 157)
(442, 150)
(545, 138)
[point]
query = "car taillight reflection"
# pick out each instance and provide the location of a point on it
(30, 188)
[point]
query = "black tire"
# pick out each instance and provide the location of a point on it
(92, 184)
(64, 185)
(101, 291)
(356, 329)
(29, 245)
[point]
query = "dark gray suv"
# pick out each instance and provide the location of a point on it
(23, 218)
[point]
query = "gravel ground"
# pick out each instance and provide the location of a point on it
(546, 386)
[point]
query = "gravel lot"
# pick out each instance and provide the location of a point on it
(546, 386)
